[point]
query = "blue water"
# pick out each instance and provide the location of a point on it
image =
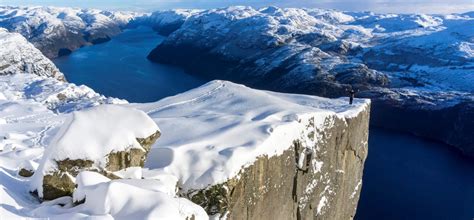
(405, 177)
(119, 68)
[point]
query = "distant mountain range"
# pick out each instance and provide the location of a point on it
(58, 31)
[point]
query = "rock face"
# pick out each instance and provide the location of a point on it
(422, 63)
(276, 188)
(17, 55)
(103, 139)
(453, 122)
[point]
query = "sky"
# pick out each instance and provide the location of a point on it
(381, 6)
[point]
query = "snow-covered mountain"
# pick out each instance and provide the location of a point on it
(17, 55)
(164, 22)
(295, 46)
(419, 69)
(58, 31)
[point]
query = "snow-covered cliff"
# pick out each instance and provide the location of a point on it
(241, 152)
(213, 135)
(58, 31)
(418, 69)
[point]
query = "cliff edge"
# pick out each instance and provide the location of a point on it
(245, 153)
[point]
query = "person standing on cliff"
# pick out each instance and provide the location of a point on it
(351, 95)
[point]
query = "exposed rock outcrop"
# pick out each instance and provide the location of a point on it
(103, 139)
(25, 172)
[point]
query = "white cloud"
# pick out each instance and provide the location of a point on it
(402, 6)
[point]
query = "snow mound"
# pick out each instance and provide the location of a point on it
(97, 131)
(119, 199)
(92, 134)
(212, 132)
(132, 199)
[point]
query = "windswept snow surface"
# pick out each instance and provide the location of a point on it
(55, 95)
(210, 133)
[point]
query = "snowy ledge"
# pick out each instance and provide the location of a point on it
(209, 134)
